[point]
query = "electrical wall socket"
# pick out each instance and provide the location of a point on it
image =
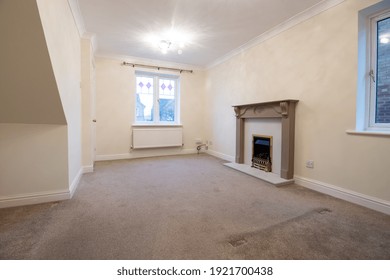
(310, 164)
(198, 141)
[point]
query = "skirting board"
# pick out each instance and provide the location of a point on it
(142, 154)
(41, 197)
(36, 198)
(344, 194)
(87, 169)
(220, 155)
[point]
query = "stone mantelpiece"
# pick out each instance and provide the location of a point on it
(284, 109)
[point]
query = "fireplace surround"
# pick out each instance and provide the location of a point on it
(283, 109)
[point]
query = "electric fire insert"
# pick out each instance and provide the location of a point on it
(262, 152)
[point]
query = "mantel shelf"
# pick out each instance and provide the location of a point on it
(267, 103)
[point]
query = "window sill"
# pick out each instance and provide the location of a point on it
(155, 125)
(368, 132)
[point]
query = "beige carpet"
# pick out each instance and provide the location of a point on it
(191, 207)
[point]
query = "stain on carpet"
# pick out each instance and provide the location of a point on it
(324, 211)
(237, 242)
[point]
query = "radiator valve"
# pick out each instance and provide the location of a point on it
(199, 147)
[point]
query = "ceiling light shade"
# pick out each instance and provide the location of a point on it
(169, 41)
(164, 46)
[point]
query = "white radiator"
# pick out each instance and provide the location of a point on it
(157, 137)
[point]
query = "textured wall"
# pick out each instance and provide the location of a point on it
(316, 63)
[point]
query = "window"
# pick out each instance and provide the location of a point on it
(373, 88)
(156, 98)
(379, 72)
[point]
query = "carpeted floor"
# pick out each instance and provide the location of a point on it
(191, 207)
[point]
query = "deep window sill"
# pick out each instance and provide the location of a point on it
(368, 132)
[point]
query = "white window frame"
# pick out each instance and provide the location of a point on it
(156, 105)
(365, 99)
(372, 73)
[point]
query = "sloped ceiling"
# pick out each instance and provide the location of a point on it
(28, 89)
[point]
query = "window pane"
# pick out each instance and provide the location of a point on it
(167, 100)
(383, 72)
(144, 102)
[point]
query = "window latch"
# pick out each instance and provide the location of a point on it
(371, 73)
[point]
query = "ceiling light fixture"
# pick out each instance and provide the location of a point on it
(164, 46)
(169, 41)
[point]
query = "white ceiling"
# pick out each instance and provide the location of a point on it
(214, 28)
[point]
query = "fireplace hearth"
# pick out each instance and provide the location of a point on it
(262, 152)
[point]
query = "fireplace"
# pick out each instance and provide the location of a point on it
(281, 109)
(262, 152)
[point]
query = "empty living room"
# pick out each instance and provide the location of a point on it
(195, 130)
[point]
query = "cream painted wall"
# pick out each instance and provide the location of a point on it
(115, 110)
(63, 42)
(33, 160)
(315, 62)
(88, 93)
